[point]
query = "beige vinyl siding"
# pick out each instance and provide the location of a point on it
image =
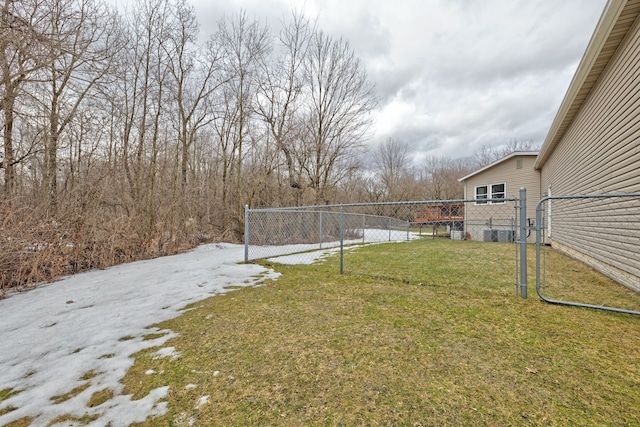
(508, 173)
(600, 153)
(514, 178)
(604, 232)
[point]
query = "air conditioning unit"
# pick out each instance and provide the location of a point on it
(505, 236)
(489, 235)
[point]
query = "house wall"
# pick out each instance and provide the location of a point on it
(501, 216)
(600, 153)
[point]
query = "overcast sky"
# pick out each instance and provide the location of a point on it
(451, 75)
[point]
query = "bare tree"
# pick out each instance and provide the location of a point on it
(82, 42)
(195, 77)
(280, 93)
(151, 148)
(440, 177)
(243, 44)
(338, 102)
(393, 166)
(24, 49)
(141, 100)
(488, 154)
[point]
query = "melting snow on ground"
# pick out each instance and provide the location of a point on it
(82, 331)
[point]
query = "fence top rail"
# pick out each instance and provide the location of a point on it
(586, 196)
(413, 202)
(347, 214)
(359, 215)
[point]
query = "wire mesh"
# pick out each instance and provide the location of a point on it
(601, 231)
(306, 234)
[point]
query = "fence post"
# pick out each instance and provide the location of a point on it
(320, 229)
(539, 234)
(523, 242)
(246, 233)
(341, 238)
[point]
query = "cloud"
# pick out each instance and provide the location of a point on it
(451, 75)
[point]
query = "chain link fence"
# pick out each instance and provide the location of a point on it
(273, 232)
(602, 231)
(306, 234)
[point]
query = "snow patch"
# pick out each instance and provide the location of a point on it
(52, 336)
(166, 352)
(202, 401)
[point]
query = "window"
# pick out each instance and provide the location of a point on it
(493, 191)
(481, 193)
(497, 192)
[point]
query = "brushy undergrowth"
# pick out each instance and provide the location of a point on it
(429, 332)
(36, 248)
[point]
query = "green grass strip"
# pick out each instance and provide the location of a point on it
(429, 332)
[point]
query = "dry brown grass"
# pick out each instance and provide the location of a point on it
(566, 279)
(35, 247)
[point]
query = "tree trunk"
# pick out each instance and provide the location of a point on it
(51, 166)
(8, 162)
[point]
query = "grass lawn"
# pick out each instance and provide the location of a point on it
(428, 332)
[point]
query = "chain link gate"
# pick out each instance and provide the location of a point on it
(602, 231)
(305, 234)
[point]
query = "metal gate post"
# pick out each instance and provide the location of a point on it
(246, 233)
(341, 238)
(539, 231)
(523, 242)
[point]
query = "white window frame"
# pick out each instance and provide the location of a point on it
(475, 194)
(503, 193)
(490, 194)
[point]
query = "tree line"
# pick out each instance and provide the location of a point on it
(129, 134)
(395, 175)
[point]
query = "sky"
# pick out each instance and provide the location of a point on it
(55, 334)
(451, 75)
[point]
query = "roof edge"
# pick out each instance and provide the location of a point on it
(605, 25)
(504, 159)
